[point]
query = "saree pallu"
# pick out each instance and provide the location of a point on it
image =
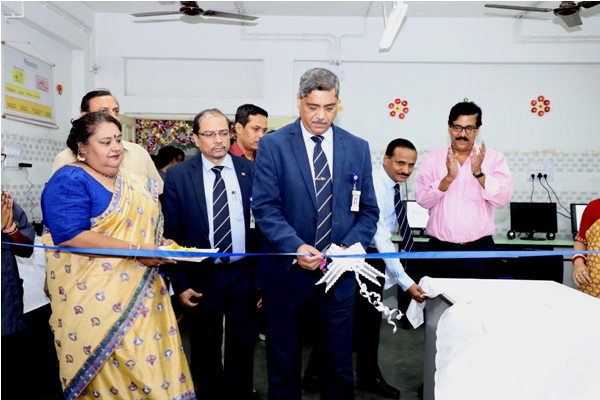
(115, 332)
(592, 236)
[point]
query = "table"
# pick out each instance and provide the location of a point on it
(505, 339)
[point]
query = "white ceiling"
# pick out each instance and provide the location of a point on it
(431, 9)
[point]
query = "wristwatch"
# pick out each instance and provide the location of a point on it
(478, 176)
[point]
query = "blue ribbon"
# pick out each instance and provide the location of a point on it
(425, 255)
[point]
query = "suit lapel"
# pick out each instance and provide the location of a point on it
(197, 180)
(339, 158)
(298, 149)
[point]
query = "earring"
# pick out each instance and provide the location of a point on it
(79, 157)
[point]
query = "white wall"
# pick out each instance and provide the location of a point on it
(53, 39)
(434, 63)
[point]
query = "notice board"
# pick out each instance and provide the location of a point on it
(26, 87)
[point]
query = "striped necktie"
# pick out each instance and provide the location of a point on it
(405, 231)
(323, 189)
(221, 223)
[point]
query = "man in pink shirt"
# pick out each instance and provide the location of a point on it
(461, 186)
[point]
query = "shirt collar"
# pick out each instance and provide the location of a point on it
(208, 165)
(327, 135)
(389, 182)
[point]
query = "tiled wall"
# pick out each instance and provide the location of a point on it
(576, 180)
(26, 186)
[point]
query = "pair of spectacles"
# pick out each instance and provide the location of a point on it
(459, 128)
(211, 134)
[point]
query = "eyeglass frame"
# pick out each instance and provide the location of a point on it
(211, 134)
(464, 128)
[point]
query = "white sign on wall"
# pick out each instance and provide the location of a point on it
(26, 88)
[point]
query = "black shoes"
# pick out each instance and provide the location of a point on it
(311, 383)
(380, 387)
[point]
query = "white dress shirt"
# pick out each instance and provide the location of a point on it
(387, 223)
(234, 198)
(326, 145)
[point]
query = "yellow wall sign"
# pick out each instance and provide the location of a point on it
(28, 107)
(18, 76)
(23, 92)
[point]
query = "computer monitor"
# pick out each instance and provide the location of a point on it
(576, 213)
(417, 217)
(530, 218)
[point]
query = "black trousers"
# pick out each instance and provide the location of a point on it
(367, 325)
(366, 329)
(462, 268)
(225, 292)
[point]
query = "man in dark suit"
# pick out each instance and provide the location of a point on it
(306, 176)
(206, 204)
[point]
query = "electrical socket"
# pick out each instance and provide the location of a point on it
(543, 167)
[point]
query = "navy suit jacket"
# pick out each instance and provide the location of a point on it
(285, 206)
(186, 219)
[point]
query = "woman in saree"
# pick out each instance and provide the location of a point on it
(586, 268)
(115, 332)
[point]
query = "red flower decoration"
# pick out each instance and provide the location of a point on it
(540, 106)
(398, 108)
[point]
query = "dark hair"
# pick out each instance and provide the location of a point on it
(85, 102)
(165, 155)
(465, 108)
(243, 113)
(85, 126)
(399, 143)
(318, 79)
(202, 114)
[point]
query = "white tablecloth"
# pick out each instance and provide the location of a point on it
(515, 340)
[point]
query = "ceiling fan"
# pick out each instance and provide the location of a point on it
(192, 9)
(568, 10)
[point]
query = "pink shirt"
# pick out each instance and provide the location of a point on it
(465, 211)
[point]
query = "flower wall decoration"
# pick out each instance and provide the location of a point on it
(149, 133)
(399, 107)
(540, 106)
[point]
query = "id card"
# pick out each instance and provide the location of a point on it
(355, 201)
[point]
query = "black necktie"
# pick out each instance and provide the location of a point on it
(323, 189)
(221, 223)
(407, 238)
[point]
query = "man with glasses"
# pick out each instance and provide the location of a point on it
(135, 158)
(461, 186)
(206, 204)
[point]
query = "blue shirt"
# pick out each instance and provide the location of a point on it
(12, 285)
(234, 198)
(387, 223)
